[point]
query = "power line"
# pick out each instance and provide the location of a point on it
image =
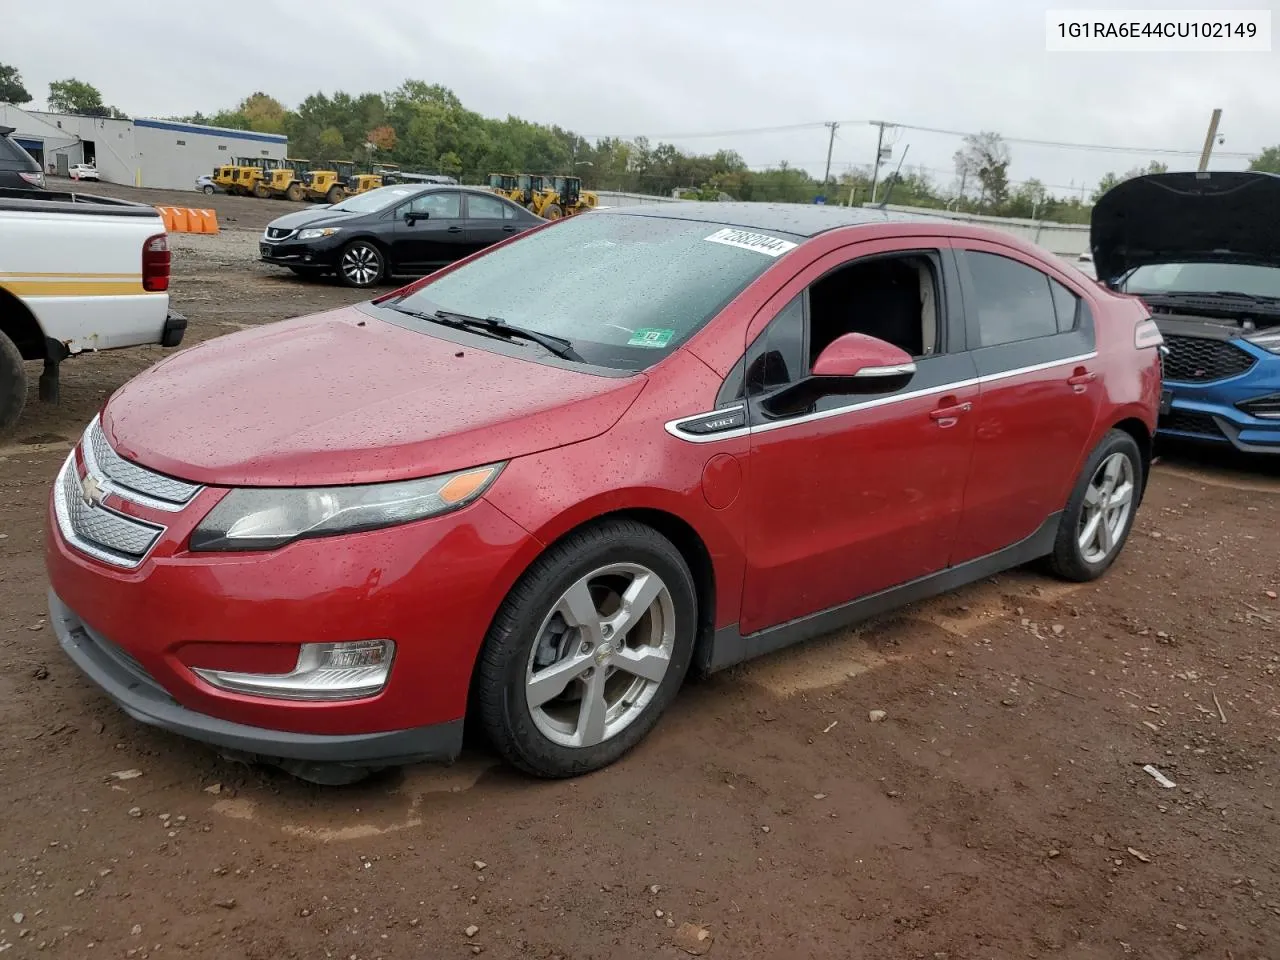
(750, 131)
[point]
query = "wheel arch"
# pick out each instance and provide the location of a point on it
(683, 535)
(1142, 436)
(20, 325)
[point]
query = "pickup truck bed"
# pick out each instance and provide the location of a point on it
(77, 273)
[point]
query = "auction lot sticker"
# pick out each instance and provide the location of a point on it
(759, 242)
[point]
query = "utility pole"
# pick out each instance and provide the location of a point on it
(875, 167)
(1208, 140)
(830, 145)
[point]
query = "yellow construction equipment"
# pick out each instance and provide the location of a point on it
(563, 198)
(330, 184)
(529, 186)
(506, 185)
(243, 175)
(286, 180)
(364, 182)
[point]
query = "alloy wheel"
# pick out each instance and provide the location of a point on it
(600, 655)
(361, 265)
(1108, 501)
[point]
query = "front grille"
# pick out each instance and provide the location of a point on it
(104, 461)
(279, 233)
(96, 529)
(1202, 359)
(1186, 421)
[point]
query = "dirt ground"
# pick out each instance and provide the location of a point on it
(1000, 809)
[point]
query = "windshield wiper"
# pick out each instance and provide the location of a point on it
(499, 328)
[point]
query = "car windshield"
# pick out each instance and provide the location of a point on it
(624, 290)
(375, 200)
(1175, 278)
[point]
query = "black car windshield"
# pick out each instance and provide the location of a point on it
(1175, 278)
(375, 200)
(624, 290)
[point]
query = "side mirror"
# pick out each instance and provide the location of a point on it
(853, 363)
(411, 217)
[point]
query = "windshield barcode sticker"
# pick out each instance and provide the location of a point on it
(759, 242)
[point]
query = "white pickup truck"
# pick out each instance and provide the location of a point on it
(77, 273)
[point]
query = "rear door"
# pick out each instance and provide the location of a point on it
(439, 238)
(1033, 347)
(488, 221)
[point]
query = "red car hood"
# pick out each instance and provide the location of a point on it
(343, 397)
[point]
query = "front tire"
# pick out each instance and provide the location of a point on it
(552, 211)
(361, 264)
(1101, 511)
(335, 195)
(587, 651)
(207, 190)
(13, 384)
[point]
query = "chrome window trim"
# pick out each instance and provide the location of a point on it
(673, 426)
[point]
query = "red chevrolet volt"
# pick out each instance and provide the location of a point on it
(537, 488)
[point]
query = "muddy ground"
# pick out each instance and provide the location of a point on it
(999, 810)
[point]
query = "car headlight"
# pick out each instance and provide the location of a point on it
(266, 518)
(1266, 339)
(316, 233)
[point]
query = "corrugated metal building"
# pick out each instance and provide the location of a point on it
(139, 152)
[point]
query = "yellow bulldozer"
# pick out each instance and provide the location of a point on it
(285, 181)
(506, 185)
(330, 184)
(563, 198)
(529, 185)
(243, 175)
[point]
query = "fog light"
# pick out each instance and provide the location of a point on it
(325, 671)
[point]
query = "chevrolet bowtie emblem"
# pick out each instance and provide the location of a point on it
(90, 492)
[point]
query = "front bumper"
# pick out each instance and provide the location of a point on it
(1218, 411)
(139, 695)
(309, 254)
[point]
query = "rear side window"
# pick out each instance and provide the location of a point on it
(1066, 304)
(13, 153)
(485, 208)
(1013, 300)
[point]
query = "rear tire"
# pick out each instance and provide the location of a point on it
(1101, 511)
(361, 264)
(296, 193)
(207, 190)
(13, 384)
(548, 645)
(335, 195)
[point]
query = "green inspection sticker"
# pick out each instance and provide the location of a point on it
(651, 338)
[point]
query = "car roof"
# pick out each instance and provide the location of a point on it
(797, 219)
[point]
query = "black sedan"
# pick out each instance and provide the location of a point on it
(407, 229)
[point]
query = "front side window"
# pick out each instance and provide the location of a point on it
(485, 208)
(625, 290)
(1013, 300)
(1066, 304)
(446, 205)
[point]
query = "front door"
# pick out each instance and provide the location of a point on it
(1035, 354)
(488, 221)
(434, 235)
(858, 493)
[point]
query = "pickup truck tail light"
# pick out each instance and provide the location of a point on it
(155, 264)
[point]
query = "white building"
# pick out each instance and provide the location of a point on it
(138, 152)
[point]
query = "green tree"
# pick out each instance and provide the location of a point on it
(1110, 180)
(262, 113)
(75, 96)
(11, 88)
(330, 143)
(1268, 161)
(985, 157)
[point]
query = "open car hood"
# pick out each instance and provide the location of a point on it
(1228, 217)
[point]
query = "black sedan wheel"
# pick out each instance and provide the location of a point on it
(362, 264)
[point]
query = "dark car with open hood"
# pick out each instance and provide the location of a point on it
(1203, 251)
(403, 230)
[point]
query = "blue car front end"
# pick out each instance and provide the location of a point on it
(1221, 389)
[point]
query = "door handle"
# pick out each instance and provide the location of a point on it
(508, 229)
(455, 230)
(1081, 378)
(951, 412)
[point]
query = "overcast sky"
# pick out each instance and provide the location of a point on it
(695, 66)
